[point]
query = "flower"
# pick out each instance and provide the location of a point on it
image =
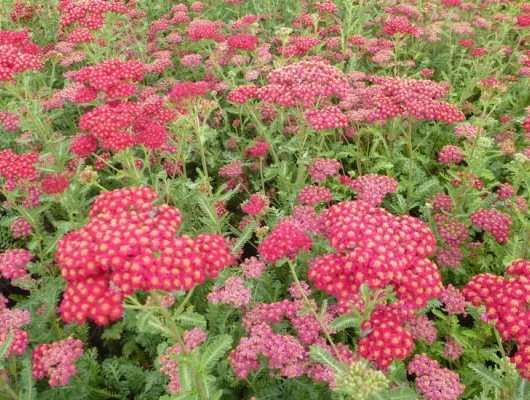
(256, 205)
(434, 382)
(450, 154)
(56, 361)
(373, 188)
(130, 244)
(312, 195)
(494, 222)
(233, 292)
(285, 240)
(13, 263)
(323, 168)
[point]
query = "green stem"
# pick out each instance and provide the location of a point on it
(411, 162)
(315, 314)
(178, 338)
(4, 387)
(201, 147)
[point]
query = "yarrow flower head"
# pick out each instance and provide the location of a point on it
(13, 263)
(232, 292)
(285, 240)
(450, 155)
(312, 195)
(373, 188)
(323, 168)
(129, 244)
(11, 322)
(253, 267)
(433, 381)
(256, 205)
(494, 222)
(56, 361)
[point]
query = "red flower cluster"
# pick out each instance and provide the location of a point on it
(17, 54)
(285, 240)
(83, 145)
(112, 77)
(242, 94)
(256, 205)
(379, 249)
(55, 183)
(494, 222)
(88, 13)
(122, 124)
(184, 91)
(506, 301)
(373, 188)
(387, 339)
(56, 360)
(130, 243)
(400, 24)
(14, 166)
(242, 41)
(203, 29)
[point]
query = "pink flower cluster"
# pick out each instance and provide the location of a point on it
(21, 228)
(11, 322)
(13, 263)
(252, 267)
(452, 232)
(112, 77)
(454, 301)
(313, 194)
(441, 202)
(330, 117)
(130, 244)
(322, 168)
(305, 83)
(372, 189)
(433, 381)
(56, 361)
(389, 98)
(506, 301)
(421, 327)
(494, 222)
(242, 94)
(232, 292)
(286, 354)
(450, 155)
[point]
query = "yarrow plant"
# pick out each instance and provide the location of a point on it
(322, 199)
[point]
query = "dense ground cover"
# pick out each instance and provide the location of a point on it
(266, 199)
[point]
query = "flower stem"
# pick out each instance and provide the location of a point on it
(315, 314)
